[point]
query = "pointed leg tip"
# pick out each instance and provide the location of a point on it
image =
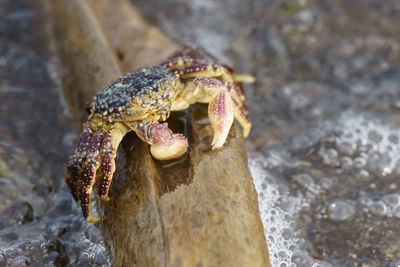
(93, 219)
(217, 143)
(105, 198)
(246, 130)
(220, 112)
(244, 78)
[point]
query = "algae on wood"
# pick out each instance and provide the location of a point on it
(198, 210)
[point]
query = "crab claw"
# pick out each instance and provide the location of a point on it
(220, 112)
(165, 144)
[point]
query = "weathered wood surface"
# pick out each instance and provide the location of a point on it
(84, 54)
(200, 210)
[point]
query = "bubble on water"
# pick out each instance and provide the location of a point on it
(288, 234)
(304, 179)
(285, 203)
(377, 207)
(391, 200)
(329, 156)
(346, 147)
(301, 259)
(374, 136)
(380, 162)
(378, 143)
(340, 210)
(325, 182)
(346, 162)
(359, 162)
(363, 174)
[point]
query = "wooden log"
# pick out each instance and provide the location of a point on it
(135, 43)
(198, 210)
(85, 58)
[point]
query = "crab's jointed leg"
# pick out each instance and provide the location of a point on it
(203, 71)
(189, 66)
(72, 176)
(164, 143)
(239, 109)
(206, 70)
(220, 107)
(109, 151)
(220, 112)
(179, 62)
(91, 165)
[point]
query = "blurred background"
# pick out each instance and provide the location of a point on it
(324, 149)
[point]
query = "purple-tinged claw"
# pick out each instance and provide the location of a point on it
(108, 166)
(88, 178)
(72, 175)
(85, 204)
(84, 141)
(72, 179)
(220, 112)
(86, 208)
(108, 171)
(165, 144)
(92, 163)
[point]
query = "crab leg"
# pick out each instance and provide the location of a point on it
(72, 174)
(199, 90)
(220, 107)
(220, 112)
(239, 109)
(206, 70)
(109, 151)
(189, 65)
(164, 143)
(179, 62)
(89, 173)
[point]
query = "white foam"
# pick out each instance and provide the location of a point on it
(362, 142)
(277, 211)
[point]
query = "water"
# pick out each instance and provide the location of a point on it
(325, 202)
(324, 149)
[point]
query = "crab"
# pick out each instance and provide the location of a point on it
(138, 102)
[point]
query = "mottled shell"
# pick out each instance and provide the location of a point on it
(137, 94)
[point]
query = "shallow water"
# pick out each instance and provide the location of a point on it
(324, 149)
